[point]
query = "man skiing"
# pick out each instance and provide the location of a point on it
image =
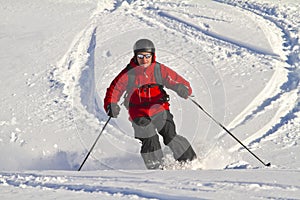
(148, 104)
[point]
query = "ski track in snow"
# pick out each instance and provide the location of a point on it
(121, 185)
(215, 35)
(289, 90)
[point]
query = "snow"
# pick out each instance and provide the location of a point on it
(58, 57)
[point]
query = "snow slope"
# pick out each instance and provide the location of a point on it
(58, 58)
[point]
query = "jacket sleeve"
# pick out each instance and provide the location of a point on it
(171, 79)
(116, 89)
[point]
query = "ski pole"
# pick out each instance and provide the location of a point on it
(94, 144)
(265, 164)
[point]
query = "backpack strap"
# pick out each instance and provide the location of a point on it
(131, 78)
(157, 74)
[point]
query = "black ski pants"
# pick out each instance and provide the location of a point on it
(146, 128)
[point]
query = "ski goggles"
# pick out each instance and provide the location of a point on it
(141, 56)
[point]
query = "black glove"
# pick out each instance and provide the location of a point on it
(113, 110)
(182, 91)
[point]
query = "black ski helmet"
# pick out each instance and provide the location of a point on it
(144, 45)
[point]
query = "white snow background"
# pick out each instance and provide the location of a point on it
(57, 58)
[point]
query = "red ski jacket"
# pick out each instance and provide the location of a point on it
(145, 97)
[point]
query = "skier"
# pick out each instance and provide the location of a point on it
(148, 104)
